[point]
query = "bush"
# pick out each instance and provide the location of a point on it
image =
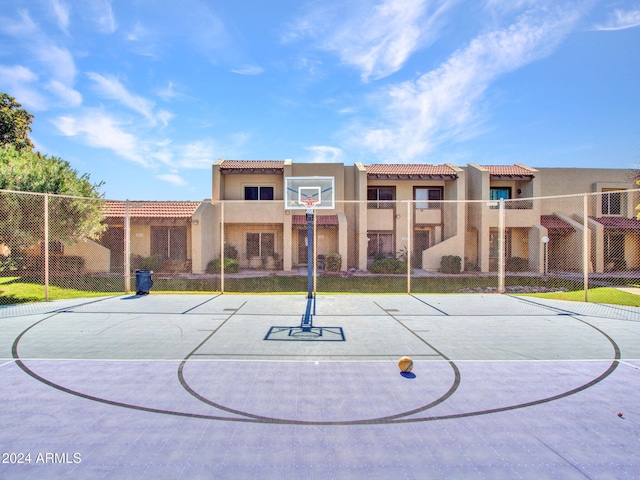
(517, 264)
(388, 265)
(470, 266)
(231, 252)
(66, 263)
(450, 264)
(333, 262)
(12, 263)
(230, 266)
(152, 262)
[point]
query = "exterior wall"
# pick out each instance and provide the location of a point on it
(631, 249)
(140, 240)
(97, 258)
(361, 211)
(478, 189)
(230, 187)
(462, 228)
(203, 249)
(568, 181)
(520, 215)
(236, 236)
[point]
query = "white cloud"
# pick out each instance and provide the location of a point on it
(620, 20)
(22, 26)
(447, 102)
(72, 97)
(61, 12)
(248, 70)
(19, 82)
(97, 129)
(173, 179)
(376, 38)
(324, 154)
(167, 93)
(110, 87)
(100, 13)
(18, 74)
(164, 117)
(138, 33)
(55, 64)
(200, 154)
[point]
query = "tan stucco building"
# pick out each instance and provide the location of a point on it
(425, 211)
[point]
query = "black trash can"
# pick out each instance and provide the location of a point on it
(143, 282)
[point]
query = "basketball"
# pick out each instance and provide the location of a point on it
(405, 364)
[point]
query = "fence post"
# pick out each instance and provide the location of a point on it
(501, 249)
(585, 247)
(127, 248)
(221, 247)
(409, 235)
(45, 246)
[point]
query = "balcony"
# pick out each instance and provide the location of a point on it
(254, 212)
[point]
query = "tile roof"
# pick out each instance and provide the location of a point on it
(508, 171)
(252, 165)
(321, 220)
(417, 170)
(152, 209)
(554, 222)
(620, 223)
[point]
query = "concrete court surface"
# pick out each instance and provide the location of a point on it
(230, 386)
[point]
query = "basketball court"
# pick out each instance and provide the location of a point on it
(239, 386)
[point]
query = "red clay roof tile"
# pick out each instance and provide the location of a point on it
(410, 169)
(508, 170)
(554, 222)
(620, 223)
(252, 164)
(146, 209)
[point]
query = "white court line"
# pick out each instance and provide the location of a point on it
(628, 364)
(314, 359)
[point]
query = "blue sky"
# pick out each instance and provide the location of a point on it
(146, 94)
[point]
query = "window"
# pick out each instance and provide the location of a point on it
(611, 203)
(260, 244)
(500, 193)
(169, 242)
(380, 245)
(375, 195)
(424, 196)
(258, 193)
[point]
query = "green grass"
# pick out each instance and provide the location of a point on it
(608, 295)
(24, 289)
(13, 290)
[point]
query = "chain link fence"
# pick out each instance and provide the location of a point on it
(54, 246)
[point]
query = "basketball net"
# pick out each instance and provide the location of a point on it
(309, 203)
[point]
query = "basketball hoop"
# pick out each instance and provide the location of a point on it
(309, 202)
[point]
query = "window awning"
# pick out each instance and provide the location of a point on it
(553, 222)
(322, 221)
(619, 223)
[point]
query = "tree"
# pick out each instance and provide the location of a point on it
(15, 123)
(22, 214)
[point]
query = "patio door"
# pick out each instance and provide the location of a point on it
(420, 243)
(303, 257)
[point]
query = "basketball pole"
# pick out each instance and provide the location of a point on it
(309, 253)
(307, 322)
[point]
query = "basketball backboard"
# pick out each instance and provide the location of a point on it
(309, 193)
